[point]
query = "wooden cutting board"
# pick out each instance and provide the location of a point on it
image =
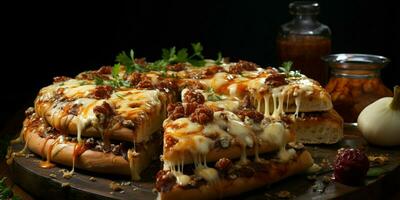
(47, 183)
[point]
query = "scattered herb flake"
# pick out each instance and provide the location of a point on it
(376, 171)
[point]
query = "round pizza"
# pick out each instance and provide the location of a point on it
(220, 128)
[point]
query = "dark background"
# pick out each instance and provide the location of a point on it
(43, 40)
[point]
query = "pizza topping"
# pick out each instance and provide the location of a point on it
(175, 111)
(127, 123)
(105, 70)
(165, 180)
(74, 109)
(243, 65)
(169, 141)
(176, 67)
(213, 70)
(202, 115)
(207, 173)
(252, 114)
(29, 111)
(190, 108)
(194, 85)
(134, 78)
(58, 79)
(102, 92)
(276, 80)
(192, 96)
(145, 84)
(103, 112)
(168, 85)
(223, 164)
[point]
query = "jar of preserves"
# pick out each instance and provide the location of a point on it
(304, 40)
(355, 82)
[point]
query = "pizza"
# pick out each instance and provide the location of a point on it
(220, 128)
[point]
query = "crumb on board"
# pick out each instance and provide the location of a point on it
(378, 159)
(326, 179)
(93, 179)
(114, 186)
(53, 175)
(65, 185)
(312, 177)
(283, 194)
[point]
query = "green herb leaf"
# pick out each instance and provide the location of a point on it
(198, 49)
(124, 59)
(376, 171)
(219, 59)
(182, 55)
(286, 66)
(115, 71)
(211, 95)
(197, 63)
(98, 80)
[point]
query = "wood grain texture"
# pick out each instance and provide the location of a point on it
(37, 181)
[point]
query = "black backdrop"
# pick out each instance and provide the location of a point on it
(42, 40)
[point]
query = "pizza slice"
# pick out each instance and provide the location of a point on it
(91, 154)
(203, 131)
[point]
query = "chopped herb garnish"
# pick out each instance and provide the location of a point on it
(212, 96)
(169, 57)
(98, 80)
(219, 59)
(286, 68)
(376, 171)
(129, 62)
(119, 96)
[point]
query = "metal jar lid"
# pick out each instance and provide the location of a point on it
(356, 61)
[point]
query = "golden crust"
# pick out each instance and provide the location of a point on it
(225, 188)
(89, 160)
(316, 128)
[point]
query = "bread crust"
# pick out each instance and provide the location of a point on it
(322, 128)
(225, 188)
(89, 160)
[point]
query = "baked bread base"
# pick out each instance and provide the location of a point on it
(225, 188)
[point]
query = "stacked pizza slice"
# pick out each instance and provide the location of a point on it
(99, 128)
(241, 132)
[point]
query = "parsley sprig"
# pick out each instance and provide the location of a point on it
(116, 82)
(286, 68)
(129, 62)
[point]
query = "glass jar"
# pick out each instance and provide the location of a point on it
(355, 82)
(304, 40)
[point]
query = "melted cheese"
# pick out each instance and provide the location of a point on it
(207, 173)
(133, 166)
(275, 133)
(181, 179)
(285, 155)
(182, 126)
(231, 105)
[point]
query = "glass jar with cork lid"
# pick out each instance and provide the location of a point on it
(355, 82)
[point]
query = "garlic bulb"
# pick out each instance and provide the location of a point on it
(379, 122)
